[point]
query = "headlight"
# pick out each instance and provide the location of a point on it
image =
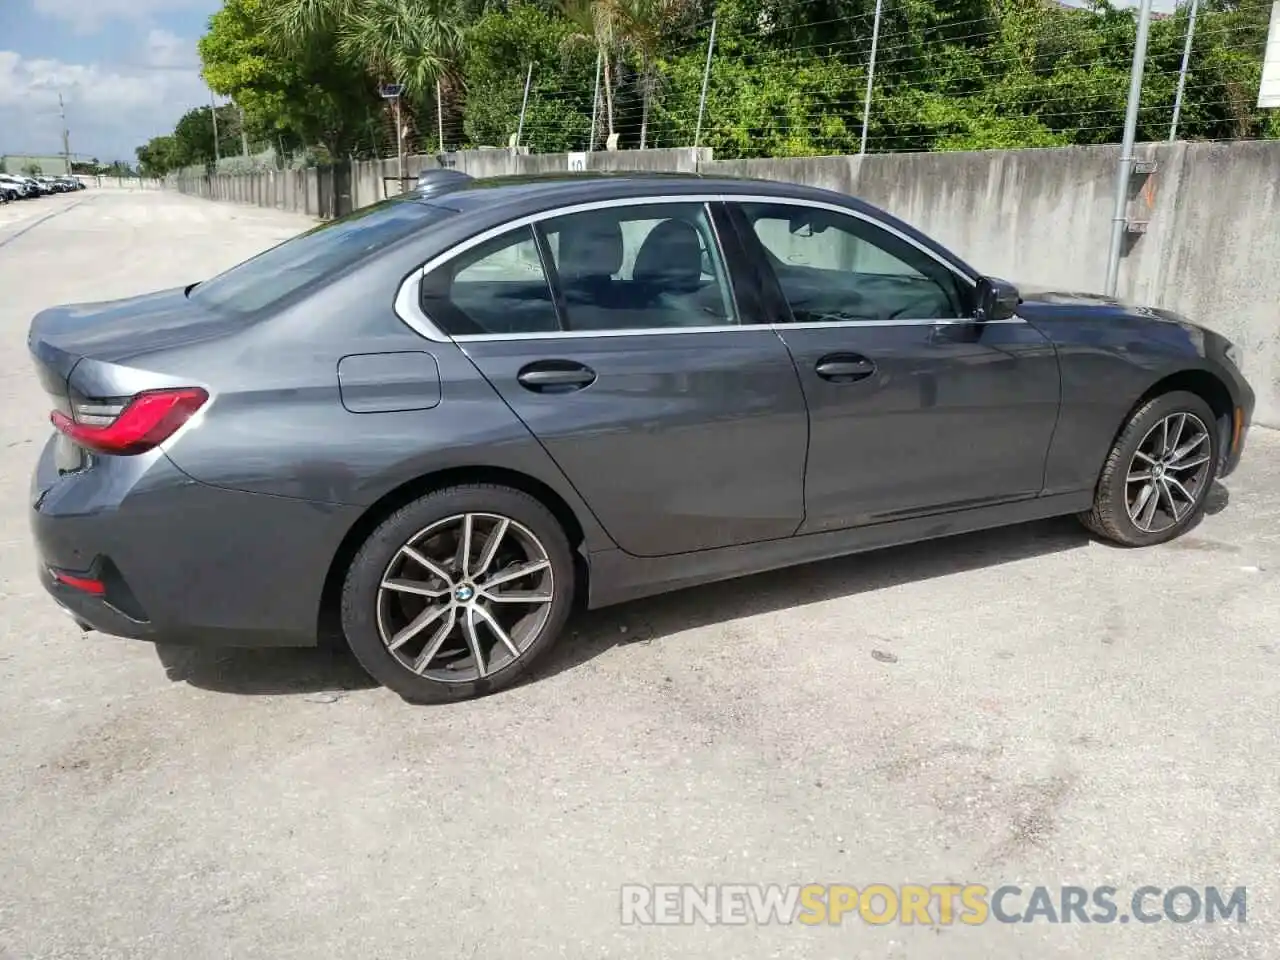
(1236, 356)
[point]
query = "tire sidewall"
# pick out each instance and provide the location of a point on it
(1136, 431)
(360, 590)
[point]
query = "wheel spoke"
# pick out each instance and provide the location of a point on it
(1187, 447)
(422, 560)
(1144, 509)
(498, 632)
(464, 546)
(417, 625)
(520, 596)
(473, 638)
(491, 547)
(1143, 457)
(1173, 445)
(1189, 464)
(514, 573)
(1168, 498)
(1164, 444)
(416, 587)
(436, 642)
(1175, 484)
(1135, 477)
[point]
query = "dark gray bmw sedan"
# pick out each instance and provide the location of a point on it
(435, 425)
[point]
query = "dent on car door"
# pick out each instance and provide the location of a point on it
(913, 407)
(615, 336)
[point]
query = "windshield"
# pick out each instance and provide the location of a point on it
(314, 256)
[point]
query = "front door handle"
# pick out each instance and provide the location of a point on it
(844, 367)
(556, 376)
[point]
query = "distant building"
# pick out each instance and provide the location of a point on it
(14, 163)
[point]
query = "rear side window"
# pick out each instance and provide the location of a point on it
(498, 286)
(312, 257)
(647, 267)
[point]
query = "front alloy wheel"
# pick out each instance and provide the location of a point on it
(1157, 476)
(1167, 472)
(457, 594)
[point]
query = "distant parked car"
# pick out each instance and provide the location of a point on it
(437, 423)
(18, 186)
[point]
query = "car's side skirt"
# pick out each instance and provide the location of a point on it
(617, 576)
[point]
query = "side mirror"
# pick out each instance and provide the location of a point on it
(997, 300)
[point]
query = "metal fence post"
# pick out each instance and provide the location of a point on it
(706, 78)
(1124, 169)
(1182, 73)
(528, 79)
(871, 76)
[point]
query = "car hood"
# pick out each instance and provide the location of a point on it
(1066, 304)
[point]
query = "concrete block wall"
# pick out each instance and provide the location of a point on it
(1040, 218)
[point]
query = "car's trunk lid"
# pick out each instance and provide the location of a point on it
(91, 357)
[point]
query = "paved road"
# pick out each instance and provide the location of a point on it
(1022, 706)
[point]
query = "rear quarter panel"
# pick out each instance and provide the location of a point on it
(276, 423)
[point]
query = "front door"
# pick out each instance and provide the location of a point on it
(615, 336)
(914, 408)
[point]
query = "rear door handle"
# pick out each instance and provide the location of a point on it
(844, 367)
(555, 376)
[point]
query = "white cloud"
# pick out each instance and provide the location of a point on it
(168, 51)
(110, 109)
(87, 16)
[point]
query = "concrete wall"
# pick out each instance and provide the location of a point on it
(1036, 217)
(1043, 218)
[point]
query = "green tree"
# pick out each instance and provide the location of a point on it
(32, 169)
(500, 46)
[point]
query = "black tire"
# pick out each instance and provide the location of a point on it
(1109, 517)
(364, 576)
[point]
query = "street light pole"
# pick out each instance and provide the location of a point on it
(1182, 72)
(66, 136)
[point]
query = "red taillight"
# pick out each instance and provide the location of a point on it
(146, 421)
(86, 584)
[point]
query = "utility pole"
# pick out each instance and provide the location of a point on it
(66, 136)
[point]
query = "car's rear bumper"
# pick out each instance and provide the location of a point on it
(174, 560)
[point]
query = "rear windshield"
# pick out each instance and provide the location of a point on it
(313, 256)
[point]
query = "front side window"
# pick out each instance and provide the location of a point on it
(652, 266)
(837, 267)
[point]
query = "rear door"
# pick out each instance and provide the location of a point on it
(613, 331)
(914, 407)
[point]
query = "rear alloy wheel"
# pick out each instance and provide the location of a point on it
(1156, 480)
(455, 595)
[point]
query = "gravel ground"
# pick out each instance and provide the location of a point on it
(1022, 706)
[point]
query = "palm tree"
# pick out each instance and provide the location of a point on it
(643, 24)
(598, 23)
(410, 42)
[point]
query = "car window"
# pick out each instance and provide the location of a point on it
(837, 267)
(496, 287)
(653, 266)
(314, 256)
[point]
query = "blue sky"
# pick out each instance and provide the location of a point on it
(127, 70)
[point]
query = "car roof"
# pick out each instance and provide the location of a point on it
(584, 187)
(511, 197)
